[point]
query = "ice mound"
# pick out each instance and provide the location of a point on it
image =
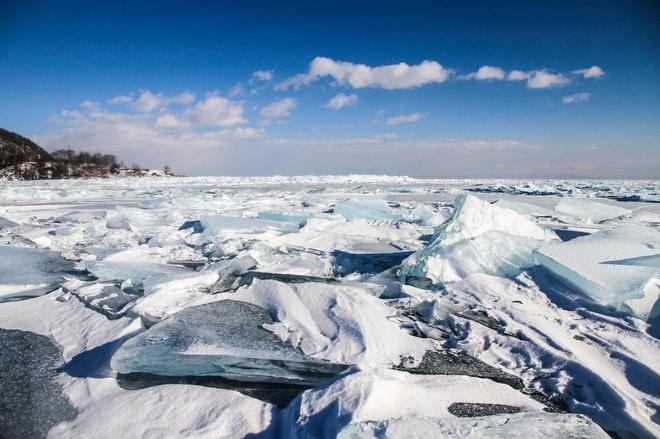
(595, 265)
(511, 426)
(224, 338)
(334, 322)
(28, 272)
(382, 394)
(366, 209)
(589, 210)
(479, 237)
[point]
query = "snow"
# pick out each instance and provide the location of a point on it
(592, 265)
(479, 237)
(321, 258)
(515, 426)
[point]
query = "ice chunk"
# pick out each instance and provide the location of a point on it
(366, 209)
(524, 208)
(83, 217)
(195, 225)
(217, 224)
(479, 237)
(592, 265)
(136, 263)
(6, 224)
(589, 210)
(107, 298)
(118, 222)
(224, 338)
(286, 218)
(28, 272)
(510, 426)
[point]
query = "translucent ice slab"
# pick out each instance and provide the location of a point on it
(224, 338)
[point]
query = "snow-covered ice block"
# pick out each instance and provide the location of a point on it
(366, 209)
(479, 237)
(589, 210)
(341, 323)
(83, 217)
(106, 297)
(6, 224)
(28, 272)
(595, 265)
(224, 338)
(381, 395)
(510, 426)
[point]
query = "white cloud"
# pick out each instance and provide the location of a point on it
(121, 100)
(577, 97)
(342, 100)
(277, 109)
(394, 76)
(151, 139)
(167, 121)
(236, 91)
(148, 101)
(406, 118)
(486, 73)
(591, 72)
(517, 75)
(216, 111)
(262, 75)
(546, 79)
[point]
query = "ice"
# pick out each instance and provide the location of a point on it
(138, 263)
(479, 237)
(118, 222)
(589, 210)
(224, 338)
(592, 266)
(299, 219)
(221, 224)
(107, 297)
(366, 209)
(525, 208)
(513, 426)
(335, 322)
(27, 272)
(6, 223)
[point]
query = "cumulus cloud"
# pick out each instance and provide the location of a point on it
(577, 97)
(215, 110)
(405, 118)
(262, 75)
(393, 76)
(517, 75)
(167, 121)
(277, 109)
(148, 101)
(591, 72)
(152, 139)
(486, 73)
(546, 79)
(341, 100)
(126, 99)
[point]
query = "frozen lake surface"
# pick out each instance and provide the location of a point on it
(351, 306)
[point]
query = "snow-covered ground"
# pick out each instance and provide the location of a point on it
(351, 306)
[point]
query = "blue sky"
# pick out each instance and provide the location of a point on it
(427, 89)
